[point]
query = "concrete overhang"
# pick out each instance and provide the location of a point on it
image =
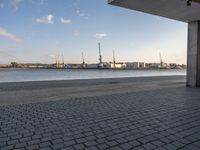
(173, 9)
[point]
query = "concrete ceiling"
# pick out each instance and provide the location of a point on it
(173, 9)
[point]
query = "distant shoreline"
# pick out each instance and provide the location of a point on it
(91, 69)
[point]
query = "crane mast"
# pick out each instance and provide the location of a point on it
(161, 61)
(100, 56)
(83, 59)
(114, 61)
(63, 62)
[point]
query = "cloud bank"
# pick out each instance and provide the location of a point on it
(100, 35)
(15, 4)
(8, 35)
(65, 21)
(47, 20)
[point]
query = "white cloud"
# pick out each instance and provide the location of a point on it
(101, 35)
(1, 5)
(41, 2)
(38, 2)
(52, 56)
(8, 35)
(76, 33)
(65, 21)
(79, 13)
(15, 4)
(76, 5)
(48, 19)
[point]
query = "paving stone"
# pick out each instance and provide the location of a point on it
(10, 147)
(58, 146)
(112, 143)
(178, 144)
(4, 139)
(158, 143)
(68, 148)
(32, 142)
(46, 148)
(79, 146)
(44, 144)
(155, 119)
(90, 138)
(69, 143)
(134, 143)
(102, 146)
(15, 137)
(143, 140)
(20, 145)
(116, 148)
(46, 139)
(81, 140)
(56, 141)
(138, 148)
(20, 149)
(149, 146)
(126, 146)
(102, 140)
(170, 147)
(2, 144)
(197, 143)
(90, 143)
(121, 140)
(160, 148)
(32, 147)
(12, 142)
(36, 136)
(192, 147)
(25, 139)
(91, 148)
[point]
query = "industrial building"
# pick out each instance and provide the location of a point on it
(135, 65)
(117, 65)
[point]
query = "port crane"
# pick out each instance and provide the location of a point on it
(114, 61)
(100, 56)
(59, 64)
(161, 60)
(83, 61)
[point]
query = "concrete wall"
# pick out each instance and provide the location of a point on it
(193, 65)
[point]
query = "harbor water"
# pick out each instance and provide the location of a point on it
(20, 75)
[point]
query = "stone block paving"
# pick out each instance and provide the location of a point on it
(159, 119)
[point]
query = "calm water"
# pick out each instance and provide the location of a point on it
(17, 75)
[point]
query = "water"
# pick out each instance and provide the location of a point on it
(18, 75)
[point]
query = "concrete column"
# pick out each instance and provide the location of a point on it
(193, 59)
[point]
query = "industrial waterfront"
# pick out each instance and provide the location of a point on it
(59, 63)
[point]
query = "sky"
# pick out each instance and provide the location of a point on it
(35, 31)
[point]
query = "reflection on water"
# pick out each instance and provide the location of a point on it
(17, 75)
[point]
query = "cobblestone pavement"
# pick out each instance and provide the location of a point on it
(155, 119)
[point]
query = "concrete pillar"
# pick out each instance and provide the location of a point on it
(193, 64)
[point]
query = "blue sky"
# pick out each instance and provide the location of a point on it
(37, 30)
